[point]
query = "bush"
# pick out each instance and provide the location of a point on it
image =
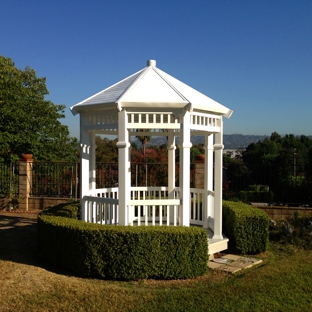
(246, 227)
(122, 252)
(70, 209)
(295, 230)
(256, 196)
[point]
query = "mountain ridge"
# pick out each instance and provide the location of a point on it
(230, 141)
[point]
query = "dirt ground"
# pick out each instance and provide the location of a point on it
(18, 236)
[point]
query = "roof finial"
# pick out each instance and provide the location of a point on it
(151, 63)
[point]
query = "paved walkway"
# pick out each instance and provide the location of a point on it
(232, 263)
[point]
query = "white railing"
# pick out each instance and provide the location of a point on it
(102, 207)
(147, 206)
(197, 206)
(154, 206)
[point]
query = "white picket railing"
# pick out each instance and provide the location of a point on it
(147, 206)
(197, 204)
(154, 206)
(102, 207)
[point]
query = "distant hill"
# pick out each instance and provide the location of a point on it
(236, 141)
(230, 141)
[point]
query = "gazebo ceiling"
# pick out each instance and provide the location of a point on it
(150, 87)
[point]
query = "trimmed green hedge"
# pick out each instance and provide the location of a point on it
(70, 209)
(123, 252)
(246, 227)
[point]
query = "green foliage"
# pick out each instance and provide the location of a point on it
(300, 236)
(28, 122)
(119, 252)
(294, 181)
(106, 150)
(246, 227)
(256, 196)
(70, 210)
(144, 139)
(279, 150)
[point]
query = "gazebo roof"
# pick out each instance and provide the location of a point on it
(150, 87)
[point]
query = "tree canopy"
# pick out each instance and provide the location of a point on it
(281, 151)
(28, 122)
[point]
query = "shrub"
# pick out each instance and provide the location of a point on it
(70, 209)
(256, 196)
(246, 227)
(123, 252)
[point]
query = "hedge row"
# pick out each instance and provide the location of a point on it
(70, 209)
(123, 252)
(246, 227)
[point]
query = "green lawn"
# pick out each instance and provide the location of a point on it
(283, 282)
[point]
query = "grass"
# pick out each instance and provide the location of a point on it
(283, 282)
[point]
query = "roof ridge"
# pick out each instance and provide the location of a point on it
(133, 83)
(158, 72)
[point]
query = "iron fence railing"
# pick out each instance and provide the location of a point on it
(277, 184)
(273, 184)
(8, 179)
(57, 179)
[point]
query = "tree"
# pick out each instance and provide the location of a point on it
(28, 122)
(106, 150)
(283, 163)
(144, 139)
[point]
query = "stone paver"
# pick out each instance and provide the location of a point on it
(231, 257)
(232, 263)
(228, 268)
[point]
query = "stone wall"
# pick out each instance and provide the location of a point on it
(39, 203)
(281, 213)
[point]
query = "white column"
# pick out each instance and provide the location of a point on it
(185, 168)
(171, 170)
(85, 178)
(218, 151)
(124, 181)
(93, 163)
(208, 182)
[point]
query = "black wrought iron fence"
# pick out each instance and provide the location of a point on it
(273, 184)
(57, 179)
(8, 179)
(269, 183)
(142, 174)
(106, 175)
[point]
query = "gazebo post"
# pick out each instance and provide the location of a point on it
(171, 171)
(218, 149)
(185, 170)
(85, 182)
(124, 172)
(208, 180)
(93, 163)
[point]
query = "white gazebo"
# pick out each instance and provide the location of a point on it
(157, 104)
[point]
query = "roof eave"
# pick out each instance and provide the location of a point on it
(95, 106)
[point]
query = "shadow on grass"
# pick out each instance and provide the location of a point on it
(18, 242)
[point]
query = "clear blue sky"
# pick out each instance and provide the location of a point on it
(254, 57)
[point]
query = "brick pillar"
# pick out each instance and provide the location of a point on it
(24, 179)
(200, 172)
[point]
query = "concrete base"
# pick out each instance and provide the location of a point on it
(216, 245)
